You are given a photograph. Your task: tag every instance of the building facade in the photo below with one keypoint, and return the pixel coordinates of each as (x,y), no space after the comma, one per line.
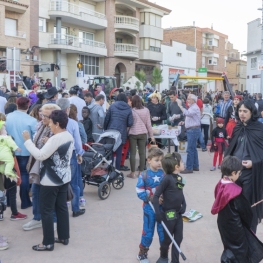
(109,38)
(253,56)
(19,30)
(211,49)
(177,58)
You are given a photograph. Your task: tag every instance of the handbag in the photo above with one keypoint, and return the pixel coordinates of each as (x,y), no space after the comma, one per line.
(70,194)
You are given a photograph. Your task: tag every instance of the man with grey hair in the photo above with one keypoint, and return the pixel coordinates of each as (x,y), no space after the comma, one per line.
(224,105)
(259,105)
(76,159)
(193,129)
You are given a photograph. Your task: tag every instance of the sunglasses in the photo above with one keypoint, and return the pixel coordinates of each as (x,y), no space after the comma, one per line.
(44,116)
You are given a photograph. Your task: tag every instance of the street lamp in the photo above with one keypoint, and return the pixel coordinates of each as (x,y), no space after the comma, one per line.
(261,57)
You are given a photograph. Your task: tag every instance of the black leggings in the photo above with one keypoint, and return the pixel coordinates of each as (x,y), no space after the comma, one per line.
(175,227)
(205,127)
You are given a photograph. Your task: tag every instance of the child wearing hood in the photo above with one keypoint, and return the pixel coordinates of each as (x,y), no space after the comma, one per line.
(235,217)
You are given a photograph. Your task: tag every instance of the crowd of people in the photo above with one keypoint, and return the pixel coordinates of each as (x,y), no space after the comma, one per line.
(47,131)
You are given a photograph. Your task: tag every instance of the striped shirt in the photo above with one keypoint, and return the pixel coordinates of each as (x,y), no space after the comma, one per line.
(193,116)
(223,107)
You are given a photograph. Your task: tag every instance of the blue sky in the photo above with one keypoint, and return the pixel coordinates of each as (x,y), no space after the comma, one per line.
(229,17)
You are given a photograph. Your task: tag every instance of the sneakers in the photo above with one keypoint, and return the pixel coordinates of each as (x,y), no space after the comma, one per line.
(213,168)
(219,166)
(204,150)
(32,225)
(82,202)
(143,258)
(3,239)
(3,245)
(18,216)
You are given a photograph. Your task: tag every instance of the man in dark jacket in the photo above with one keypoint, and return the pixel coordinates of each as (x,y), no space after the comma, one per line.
(119,117)
(259,105)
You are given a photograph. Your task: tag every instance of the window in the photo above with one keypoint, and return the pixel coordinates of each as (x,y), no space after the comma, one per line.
(91,65)
(10,27)
(42,25)
(216,42)
(151,19)
(150,44)
(86,38)
(64,31)
(118,40)
(254,63)
(179,54)
(210,42)
(212,61)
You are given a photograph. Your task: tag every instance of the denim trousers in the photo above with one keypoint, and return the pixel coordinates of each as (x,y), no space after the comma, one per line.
(205,127)
(54,198)
(36,203)
(24,187)
(192,155)
(75,182)
(118,157)
(201,140)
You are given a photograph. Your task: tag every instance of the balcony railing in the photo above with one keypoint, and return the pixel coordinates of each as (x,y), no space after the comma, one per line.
(64,6)
(128,20)
(15,33)
(68,40)
(126,48)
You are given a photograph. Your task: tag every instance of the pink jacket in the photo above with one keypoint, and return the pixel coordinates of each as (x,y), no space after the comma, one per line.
(141,122)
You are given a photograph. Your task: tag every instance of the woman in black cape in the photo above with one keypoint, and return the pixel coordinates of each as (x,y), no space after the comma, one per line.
(247,145)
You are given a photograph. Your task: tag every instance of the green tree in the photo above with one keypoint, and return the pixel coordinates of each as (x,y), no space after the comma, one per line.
(157,77)
(140,75)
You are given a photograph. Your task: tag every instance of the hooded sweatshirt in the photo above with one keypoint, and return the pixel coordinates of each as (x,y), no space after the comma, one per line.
(97,117)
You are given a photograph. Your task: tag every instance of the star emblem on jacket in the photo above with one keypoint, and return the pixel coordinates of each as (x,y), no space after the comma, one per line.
(156,178)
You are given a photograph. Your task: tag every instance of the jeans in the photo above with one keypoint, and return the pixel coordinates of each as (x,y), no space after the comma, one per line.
(118,157)
(201,140)
(192,155)
(24,187)
(75,182)
(36,201)
(54,198)
(205,127)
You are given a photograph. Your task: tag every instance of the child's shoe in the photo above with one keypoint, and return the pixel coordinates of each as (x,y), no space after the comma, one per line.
(142,256)
(213,168)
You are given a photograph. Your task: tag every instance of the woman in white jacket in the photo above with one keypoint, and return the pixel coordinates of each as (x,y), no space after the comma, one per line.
(206,119)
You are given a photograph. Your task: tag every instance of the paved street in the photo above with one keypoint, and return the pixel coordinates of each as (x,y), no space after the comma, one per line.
(110,230)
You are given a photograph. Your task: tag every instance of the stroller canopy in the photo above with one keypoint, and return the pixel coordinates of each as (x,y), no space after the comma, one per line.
(112,134)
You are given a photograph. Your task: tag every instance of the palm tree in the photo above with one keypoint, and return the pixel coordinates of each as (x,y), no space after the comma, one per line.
(157,77)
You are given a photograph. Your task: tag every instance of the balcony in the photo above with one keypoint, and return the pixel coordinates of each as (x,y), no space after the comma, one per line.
(72,44)
(215,69)
(150,55)
(126,50)
(77,15)
(206,49)
(127,23)
(151,32)
(12,33)
(15,6)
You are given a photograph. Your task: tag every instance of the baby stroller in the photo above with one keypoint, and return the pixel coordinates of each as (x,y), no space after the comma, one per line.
(100,153)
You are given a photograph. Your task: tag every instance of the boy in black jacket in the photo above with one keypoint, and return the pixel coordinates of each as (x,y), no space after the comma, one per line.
(87,123)
(173,205)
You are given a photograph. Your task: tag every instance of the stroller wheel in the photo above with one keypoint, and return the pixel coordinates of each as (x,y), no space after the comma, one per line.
(104,190)
(118,183)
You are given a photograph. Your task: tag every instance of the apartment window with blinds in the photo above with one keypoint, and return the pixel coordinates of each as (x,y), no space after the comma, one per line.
(91,65)
(254,62)
(150,44)
(10,27)
(151,19)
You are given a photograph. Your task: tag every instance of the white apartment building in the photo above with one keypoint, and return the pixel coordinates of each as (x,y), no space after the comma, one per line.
(69,32)
(253,56)
(112,38)
(177,58)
